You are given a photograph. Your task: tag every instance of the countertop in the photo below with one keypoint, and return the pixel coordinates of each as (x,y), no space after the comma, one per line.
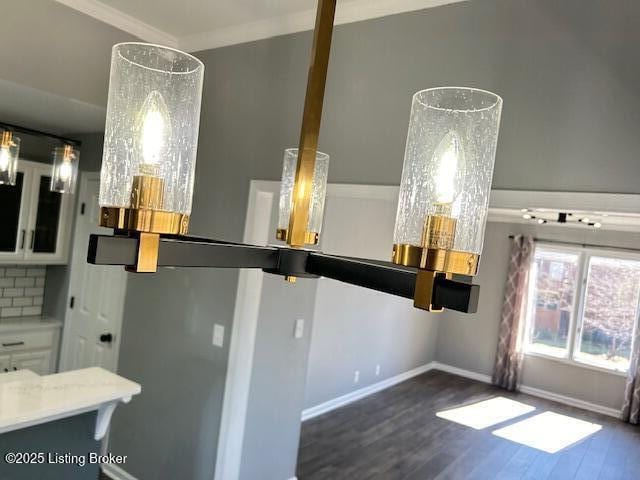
(27,399)
(28,323)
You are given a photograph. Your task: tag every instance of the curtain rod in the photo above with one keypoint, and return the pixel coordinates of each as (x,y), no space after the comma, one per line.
(581,244)
(39,133)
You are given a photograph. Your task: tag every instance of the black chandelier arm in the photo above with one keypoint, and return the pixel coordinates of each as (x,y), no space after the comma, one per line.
(181,252)
(377,275)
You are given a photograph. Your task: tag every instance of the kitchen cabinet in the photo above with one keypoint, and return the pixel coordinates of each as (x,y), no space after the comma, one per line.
(38,361)
(34,222)
(29,343)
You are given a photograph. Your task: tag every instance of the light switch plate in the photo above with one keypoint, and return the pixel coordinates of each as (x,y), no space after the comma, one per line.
(298,331)
(218,335)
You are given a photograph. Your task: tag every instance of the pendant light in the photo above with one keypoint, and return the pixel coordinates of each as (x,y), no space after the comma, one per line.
(151,137)
(64,173)
(318,193)
(149,159)
(9,152)
(446,181)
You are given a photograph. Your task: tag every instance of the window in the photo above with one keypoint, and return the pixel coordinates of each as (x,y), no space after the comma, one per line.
(583,305)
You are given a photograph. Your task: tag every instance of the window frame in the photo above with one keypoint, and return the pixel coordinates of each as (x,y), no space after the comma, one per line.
(576,321)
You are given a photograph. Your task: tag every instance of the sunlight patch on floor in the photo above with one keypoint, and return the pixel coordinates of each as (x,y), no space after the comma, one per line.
(486,413)
(548,431)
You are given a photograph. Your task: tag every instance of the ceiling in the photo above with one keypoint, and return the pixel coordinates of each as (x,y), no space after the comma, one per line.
(55,74)
(194,25)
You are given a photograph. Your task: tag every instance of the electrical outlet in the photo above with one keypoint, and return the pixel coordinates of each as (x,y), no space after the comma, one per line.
(356,376)
(377,370)
(218,335)
(298,331)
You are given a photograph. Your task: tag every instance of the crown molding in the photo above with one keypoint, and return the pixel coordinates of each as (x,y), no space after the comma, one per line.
(346,12)
(121,21)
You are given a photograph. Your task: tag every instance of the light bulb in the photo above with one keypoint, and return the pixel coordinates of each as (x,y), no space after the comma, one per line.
(153,127)
(5,158)
(449,160)
(64,173)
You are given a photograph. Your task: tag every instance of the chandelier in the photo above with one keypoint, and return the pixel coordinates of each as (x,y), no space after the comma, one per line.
(148,168)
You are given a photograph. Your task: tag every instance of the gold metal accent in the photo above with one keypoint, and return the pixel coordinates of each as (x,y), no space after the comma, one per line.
(407,255)
(144,220)
(147,261)
(7,139)
(439,232)
(437,260)
(290,278)
(311,238)
(147,192)
(299,220)
(423,296)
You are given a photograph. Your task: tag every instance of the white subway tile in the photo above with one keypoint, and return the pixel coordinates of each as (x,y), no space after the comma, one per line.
(37,300)
(36,272)
(31,311)
(34,292)
(15,292)
(15,272)
(25,282)
(6,282)
(22,301)
(5,302)
(11,312)
(40,282)
(1,272)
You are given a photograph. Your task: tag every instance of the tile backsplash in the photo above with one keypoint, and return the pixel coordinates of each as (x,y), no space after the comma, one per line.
(21,290)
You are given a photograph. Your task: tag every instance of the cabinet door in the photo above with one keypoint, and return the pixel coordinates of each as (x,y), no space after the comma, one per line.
(13,217)
(38,362)
(5,363)
(47,229)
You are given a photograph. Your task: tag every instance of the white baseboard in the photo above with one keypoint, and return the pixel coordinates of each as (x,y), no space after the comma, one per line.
(535,392)
(338,402)
(115,472)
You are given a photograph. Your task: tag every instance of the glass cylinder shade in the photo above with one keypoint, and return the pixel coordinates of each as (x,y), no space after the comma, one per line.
(448,167)
(151,132)
(9,152)
(318,193)
(64,173)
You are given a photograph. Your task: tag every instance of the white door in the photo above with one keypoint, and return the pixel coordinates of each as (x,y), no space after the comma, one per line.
(91,335)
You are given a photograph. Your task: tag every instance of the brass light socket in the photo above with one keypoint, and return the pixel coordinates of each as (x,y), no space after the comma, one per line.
(147,192)
(310,238)
(439,232)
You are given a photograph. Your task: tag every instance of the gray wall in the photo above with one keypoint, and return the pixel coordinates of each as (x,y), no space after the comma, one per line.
(571,106)
(469,341)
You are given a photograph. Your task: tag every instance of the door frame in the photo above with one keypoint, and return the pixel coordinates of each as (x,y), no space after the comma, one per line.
(85,178)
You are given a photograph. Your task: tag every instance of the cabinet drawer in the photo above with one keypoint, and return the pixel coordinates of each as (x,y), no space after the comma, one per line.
(22,340)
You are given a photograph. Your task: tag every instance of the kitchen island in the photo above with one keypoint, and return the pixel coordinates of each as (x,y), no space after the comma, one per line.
(51,425)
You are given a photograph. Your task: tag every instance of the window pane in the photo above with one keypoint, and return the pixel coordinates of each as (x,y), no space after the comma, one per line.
(610,311)
(551,304)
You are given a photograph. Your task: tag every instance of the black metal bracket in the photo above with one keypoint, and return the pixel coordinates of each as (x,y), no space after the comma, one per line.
(381,276)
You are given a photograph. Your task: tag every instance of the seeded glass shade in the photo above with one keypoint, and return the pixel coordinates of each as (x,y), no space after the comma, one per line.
(153,114)
(9,152)
(448,165)
(318,190)
(64,173)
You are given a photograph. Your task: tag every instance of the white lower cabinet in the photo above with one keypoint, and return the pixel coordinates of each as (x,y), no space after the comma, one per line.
(38,362)
(30,349)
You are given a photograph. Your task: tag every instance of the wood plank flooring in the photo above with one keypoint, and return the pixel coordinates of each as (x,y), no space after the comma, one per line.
(395,434)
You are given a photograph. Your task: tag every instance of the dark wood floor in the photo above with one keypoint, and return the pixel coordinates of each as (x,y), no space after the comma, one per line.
(395,434)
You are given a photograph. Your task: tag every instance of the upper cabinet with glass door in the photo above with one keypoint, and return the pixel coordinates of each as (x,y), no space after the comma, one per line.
(34,222)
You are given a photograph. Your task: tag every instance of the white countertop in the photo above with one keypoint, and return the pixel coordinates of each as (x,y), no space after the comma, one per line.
(28,323)
(17,375)
(28,399)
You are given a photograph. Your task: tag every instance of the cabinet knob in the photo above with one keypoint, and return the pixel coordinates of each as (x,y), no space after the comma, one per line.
(15,369)
(6,369)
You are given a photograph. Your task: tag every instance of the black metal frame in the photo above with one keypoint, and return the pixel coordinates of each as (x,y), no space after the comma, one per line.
(39,133)
(384,277)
